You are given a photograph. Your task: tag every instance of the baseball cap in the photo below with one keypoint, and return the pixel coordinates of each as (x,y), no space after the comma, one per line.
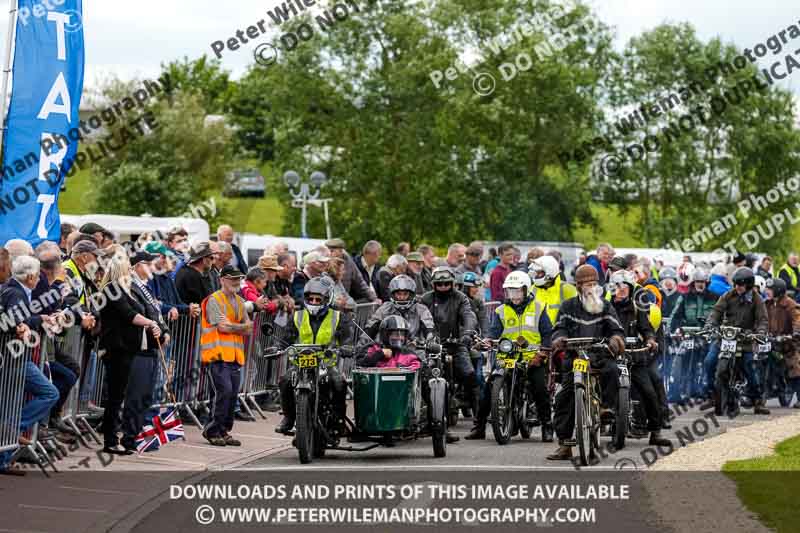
(86,247)
(157,248)
(142,257)
(335,244)
(231,272)
(311,257)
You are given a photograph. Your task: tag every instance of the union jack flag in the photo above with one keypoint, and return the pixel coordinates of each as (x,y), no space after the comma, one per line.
(166,427)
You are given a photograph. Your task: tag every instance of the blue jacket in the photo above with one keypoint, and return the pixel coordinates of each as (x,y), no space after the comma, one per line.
(15,305)
(162,286)
(719,285)
(594,261)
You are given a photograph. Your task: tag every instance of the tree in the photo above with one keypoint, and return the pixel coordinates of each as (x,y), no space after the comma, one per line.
(735,145)
(409,161)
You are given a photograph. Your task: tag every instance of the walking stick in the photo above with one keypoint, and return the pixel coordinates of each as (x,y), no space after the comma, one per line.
(167,373)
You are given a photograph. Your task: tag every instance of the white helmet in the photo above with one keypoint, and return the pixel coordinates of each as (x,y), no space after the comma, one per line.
(514,284)
(761,283)
(546,264)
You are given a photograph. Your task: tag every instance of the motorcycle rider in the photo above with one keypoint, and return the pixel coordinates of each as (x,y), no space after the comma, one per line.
(635,320)
(551,290)
(470,284)
(784,319)
(740,307)
(454,318)
(697,307)
(402,303)
(521,316)
(316,323)
(586,315)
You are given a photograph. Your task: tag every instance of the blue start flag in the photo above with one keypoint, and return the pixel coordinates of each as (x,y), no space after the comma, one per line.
(43,127)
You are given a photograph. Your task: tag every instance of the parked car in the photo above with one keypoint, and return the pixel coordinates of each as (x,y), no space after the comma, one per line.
(248,182)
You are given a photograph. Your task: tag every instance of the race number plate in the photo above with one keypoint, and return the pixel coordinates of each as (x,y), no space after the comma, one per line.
(308,361)
(688,344)
(728,346)
(580,365)
(509,363)
(765,348)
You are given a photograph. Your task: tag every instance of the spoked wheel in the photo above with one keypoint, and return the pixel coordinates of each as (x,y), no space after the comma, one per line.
(502,413)
(583,426)
(304,439)
(621,421)
(439,437)
(525,427)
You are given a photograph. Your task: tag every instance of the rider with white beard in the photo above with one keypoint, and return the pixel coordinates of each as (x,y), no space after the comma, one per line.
(586,315)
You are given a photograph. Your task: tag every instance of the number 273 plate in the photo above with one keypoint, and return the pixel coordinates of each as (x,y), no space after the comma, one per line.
(307,362)
(580,365)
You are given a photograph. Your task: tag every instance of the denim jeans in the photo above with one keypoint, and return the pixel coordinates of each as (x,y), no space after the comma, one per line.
(63,379)
(44,397)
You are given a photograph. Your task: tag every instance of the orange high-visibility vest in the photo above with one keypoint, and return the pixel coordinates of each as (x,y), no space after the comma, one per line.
(216,345)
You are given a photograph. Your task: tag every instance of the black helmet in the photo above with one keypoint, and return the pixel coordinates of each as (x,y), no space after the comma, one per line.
(320,287)
(443,274)
(778,287)
(744,276)
(402,283)
(392,324)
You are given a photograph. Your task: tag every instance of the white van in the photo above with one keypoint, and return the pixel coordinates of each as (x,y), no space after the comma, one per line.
(129,228)
(253,246)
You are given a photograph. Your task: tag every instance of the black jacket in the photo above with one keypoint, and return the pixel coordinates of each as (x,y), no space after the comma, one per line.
(193,287)
(451,312)
(241,263)
(371,281)
(575,321)
(420,322)
(119,337)
(385,277)
(635,322)
(353,282)
(747,312)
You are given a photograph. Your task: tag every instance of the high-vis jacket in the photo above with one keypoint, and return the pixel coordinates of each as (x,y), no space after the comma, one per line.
(525,325)
(325,334)
(216,345)
(552,297)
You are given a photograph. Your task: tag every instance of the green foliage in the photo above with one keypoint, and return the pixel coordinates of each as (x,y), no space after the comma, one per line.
(182,152)
(204,78)
(699,176)
(135,189)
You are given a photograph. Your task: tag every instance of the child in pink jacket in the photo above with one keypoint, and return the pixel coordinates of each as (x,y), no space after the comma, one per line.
(393,351)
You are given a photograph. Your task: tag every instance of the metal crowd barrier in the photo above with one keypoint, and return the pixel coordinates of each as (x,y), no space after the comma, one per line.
(491,307)
(84,399)
(12,387)
(261,373)
(189,383)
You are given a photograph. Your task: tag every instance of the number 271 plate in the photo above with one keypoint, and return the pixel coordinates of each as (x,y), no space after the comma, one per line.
(307,362)
(580,365)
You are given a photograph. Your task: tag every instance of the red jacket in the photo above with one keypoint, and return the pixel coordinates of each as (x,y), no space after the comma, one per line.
(251,293)
(496,282)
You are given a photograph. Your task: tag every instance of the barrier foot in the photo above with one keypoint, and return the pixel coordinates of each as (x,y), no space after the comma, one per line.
(193,416)
(78,433)
(255,405)
(243,403)
(45,457)
(90,429)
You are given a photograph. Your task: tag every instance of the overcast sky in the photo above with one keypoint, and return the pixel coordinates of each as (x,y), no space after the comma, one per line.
(132,39)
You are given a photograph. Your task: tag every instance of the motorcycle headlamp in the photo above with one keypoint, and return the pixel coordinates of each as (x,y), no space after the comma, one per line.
(291,352)
(729,333)
(505,346)
(435,372)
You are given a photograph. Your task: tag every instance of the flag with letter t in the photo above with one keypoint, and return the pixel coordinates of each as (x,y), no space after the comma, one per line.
(43,127)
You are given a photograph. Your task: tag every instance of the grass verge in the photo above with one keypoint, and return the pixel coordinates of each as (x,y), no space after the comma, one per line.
(769,486)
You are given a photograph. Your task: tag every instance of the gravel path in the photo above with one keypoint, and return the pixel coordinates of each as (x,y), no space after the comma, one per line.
(705,500)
